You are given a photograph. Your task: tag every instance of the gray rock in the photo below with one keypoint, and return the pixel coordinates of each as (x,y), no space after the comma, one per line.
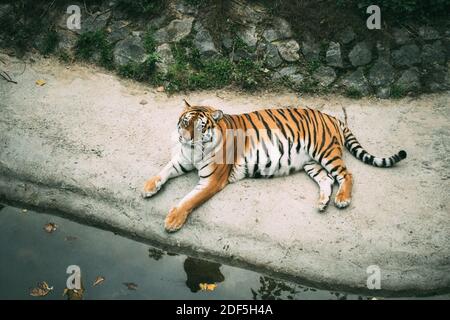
(324,76)
(433,53)
(334,56)
(165,58)
(227,41)
(67,40)
(310,49)
(428,33)
(5,9)
(242,53)
(117,31)
(437,78)
(288,50)
(246,12)
(356,82)
(291,74)
(409,80)
(175,31)
(347,35)
(296,80)
(185,8)
(204,42)
(157,22)
(383,92)
(93,23)
(360,55)
(383,50)
(401,36)
(381,74)
(248,35)
(272,58)
(129,50)
(285,72)
(406,55)
(280,29)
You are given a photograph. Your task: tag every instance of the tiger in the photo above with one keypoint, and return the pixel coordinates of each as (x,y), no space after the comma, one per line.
(277,142)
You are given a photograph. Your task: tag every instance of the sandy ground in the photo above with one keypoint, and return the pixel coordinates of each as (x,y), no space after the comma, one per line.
(84,145)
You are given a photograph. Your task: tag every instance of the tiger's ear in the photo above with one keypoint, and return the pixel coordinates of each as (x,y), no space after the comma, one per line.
(217,115)
(186,104)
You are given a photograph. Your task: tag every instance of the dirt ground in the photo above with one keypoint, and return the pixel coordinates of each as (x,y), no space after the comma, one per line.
(85,142)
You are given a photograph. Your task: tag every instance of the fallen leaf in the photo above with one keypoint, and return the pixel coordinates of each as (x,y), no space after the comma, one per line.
(131,285)
(208,286)
(41,290)
(160,89)
(40,82)
(98,280)
(50,227)
(143,102)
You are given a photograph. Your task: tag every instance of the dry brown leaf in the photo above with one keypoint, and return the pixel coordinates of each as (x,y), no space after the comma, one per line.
(208,286)
(40,82)
(160,89)
(41,290)
(98,280)
(131,285)
(50,227)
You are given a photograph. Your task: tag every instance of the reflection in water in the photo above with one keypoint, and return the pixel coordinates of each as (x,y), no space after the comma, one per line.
(155,253)
(272,289)
(201,271)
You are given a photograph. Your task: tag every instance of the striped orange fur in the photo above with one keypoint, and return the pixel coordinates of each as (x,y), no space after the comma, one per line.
(225,148)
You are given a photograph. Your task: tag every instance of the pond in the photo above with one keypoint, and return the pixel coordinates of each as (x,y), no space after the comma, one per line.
(130,269)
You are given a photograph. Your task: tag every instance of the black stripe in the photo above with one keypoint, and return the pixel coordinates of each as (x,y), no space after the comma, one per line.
(331,160)
(209,173)
(182,168)
(266,126)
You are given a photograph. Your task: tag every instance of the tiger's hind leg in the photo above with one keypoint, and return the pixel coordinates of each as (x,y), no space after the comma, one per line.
(333,163)
(324,180)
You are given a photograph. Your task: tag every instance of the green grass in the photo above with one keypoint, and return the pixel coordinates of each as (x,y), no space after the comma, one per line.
(90,43)
(353,93)
(50,42)
(140,71)
(398,92)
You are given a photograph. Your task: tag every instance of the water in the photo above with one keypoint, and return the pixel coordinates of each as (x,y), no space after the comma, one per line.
(30,255)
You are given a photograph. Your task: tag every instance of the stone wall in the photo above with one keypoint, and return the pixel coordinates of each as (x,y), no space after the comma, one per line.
(402,61)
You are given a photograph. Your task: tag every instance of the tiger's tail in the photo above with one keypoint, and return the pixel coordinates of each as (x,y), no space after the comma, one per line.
(355,148)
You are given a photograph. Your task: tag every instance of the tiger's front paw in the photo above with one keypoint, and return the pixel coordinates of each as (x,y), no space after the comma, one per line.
(151,187)
(175,220)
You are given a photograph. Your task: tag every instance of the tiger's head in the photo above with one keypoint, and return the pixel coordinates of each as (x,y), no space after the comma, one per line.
(197,125)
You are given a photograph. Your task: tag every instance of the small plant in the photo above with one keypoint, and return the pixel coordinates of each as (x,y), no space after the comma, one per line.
(149,41)
(90,43)
(248,74)
(140,71)
(63,56)
(50,42)
(398,92)
(353,93)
